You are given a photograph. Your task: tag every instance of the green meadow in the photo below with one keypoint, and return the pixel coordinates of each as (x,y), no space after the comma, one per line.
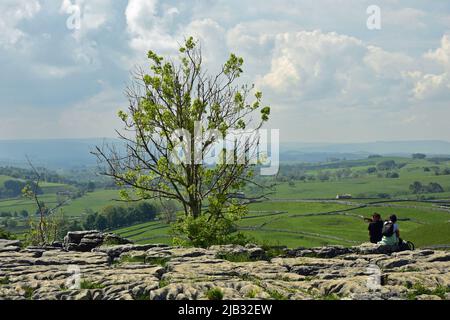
(305,213)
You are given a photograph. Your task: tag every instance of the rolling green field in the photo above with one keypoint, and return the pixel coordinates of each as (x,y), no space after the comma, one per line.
(306,213)
(74,208)
(307,224)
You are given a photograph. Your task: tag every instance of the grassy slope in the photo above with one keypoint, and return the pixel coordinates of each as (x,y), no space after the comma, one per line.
(295,226)
(428,235)
(369,185)
(95,201)
(291,223)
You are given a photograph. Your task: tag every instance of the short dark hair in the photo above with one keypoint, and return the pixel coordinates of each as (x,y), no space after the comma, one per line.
(377,215)
(393,218)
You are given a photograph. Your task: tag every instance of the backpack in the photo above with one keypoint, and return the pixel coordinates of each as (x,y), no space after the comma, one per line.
(405,245)
(388,229)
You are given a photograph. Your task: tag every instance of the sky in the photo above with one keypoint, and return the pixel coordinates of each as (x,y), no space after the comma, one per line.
(327,76)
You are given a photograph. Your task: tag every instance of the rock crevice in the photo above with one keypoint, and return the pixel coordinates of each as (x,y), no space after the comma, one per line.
(96,266)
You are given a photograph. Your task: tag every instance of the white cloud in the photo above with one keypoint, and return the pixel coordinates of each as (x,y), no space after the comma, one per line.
(434,86)
(442,54)
(317,64)
(431,86)
(212,36)
(13,12)
(149,26)
(388,64)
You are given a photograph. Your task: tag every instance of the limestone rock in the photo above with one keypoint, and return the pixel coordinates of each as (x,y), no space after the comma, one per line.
(85,241)
(9,245)
(159,272)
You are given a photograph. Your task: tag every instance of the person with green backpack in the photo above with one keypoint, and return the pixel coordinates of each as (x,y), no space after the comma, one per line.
(390,232)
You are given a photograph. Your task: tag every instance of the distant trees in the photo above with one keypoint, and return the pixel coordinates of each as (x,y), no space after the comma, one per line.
(90,187)
(442,172)
(371,170)
(27,174)
(13,188)
(386,165)
(323,176)
(392,175)
(11,223)
(433,187)
(112,217)
(419,156)
(169,210)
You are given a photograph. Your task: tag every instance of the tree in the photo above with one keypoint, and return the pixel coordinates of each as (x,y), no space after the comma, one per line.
(392,175)
(416,187)
(11,223)
(169,210)
(101,223)
(419,156)
(24,213)
(434,187)
(90,221)
(371,170)
(90,187)
(386,165)
(45,231)
(181,108)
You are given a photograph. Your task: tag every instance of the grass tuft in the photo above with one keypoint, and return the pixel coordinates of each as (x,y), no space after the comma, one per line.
(157,261)
(214,294)
(419,289)
(28,292)
(164,283)
(88,284)
(276,295)
(235,257)
(4,281)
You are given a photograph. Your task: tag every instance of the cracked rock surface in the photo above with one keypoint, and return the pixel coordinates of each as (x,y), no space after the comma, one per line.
(159,272)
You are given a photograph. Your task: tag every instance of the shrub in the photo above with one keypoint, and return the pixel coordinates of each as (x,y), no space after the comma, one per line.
(4,281)
(203,232)
(6,235)
(214,294)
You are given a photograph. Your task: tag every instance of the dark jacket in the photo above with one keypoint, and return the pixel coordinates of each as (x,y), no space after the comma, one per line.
(375,231)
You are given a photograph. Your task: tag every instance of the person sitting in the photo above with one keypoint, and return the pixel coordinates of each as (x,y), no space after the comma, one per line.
(375,228)
(391,232)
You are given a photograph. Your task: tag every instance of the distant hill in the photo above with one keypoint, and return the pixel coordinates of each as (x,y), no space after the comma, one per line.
(432,147)
(71,153)
(53,154)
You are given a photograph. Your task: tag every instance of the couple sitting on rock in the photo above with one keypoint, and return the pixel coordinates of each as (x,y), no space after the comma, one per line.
(384,233)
